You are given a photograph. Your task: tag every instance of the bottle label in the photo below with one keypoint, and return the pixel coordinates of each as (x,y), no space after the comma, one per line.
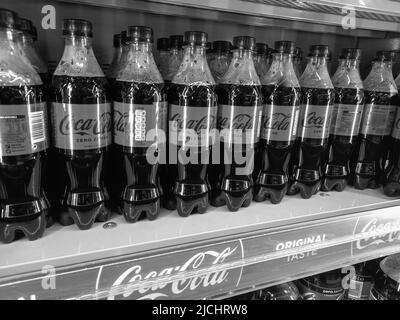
(81,126)
(346,119)
(140,125)
(310,291)
(239,124)
(315,121)
(192,126)
(377,119)
(279,123)
(396,125)
(360,288)
(23,129)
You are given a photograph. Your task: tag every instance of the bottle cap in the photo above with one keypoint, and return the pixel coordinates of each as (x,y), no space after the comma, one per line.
(117,40)
(320,51)
(196,38)
(140,34)
(261,48)
(78,27)
(176,41)
(26,26)
(285,47)
(244,42)
(162,44)
(221,46)
(385,55)
(350,53)
(9,19)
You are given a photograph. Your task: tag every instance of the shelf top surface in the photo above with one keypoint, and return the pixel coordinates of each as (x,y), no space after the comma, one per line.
(67,245)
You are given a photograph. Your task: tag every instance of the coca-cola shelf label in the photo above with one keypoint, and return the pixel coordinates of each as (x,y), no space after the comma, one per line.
(23,129)
(279,123)
(373,233)
(346,119)
(315,121)
(139,125)
(168,278)
(192,125)
(81,126)
(377,119)
(239,124)
(194,273)
(396,126)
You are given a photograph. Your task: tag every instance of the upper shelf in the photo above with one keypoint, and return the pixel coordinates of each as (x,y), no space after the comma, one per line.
(203,256)
(373,18)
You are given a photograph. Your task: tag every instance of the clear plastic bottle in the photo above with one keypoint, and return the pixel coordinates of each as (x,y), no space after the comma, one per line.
(162,56)
(260,59)
(281,91)
(297,61)
(317,97)
(346,119)
(376,124)
(23,138)
(139,103)
(82,123)
(391,178)
(239,117)
(192,112)
(113,69)
(27,43)
(174,57)
(219,60)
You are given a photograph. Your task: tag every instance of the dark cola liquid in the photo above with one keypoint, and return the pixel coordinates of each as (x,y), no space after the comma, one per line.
(391,175)
(244,119)
(341,148)
(81,171)
(182,176)
(308,158)
(275,155)
(371,151)
(135,172)
(21,176)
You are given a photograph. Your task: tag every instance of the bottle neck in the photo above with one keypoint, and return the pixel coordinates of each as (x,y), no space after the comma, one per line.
(78,59)
(194,67)
(16,69)
(347,74)
(241,70)
(316,74)
(281,71)
(381,78)
(139,64)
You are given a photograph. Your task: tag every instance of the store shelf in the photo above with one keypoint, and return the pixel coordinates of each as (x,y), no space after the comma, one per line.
(203,256)
(374,18)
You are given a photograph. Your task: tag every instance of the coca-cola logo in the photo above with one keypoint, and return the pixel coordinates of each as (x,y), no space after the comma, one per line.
(239,122)
(205,122)
(145,284)
(278,121)
(70,124)
(375,233)
(313,120)
(121,121)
